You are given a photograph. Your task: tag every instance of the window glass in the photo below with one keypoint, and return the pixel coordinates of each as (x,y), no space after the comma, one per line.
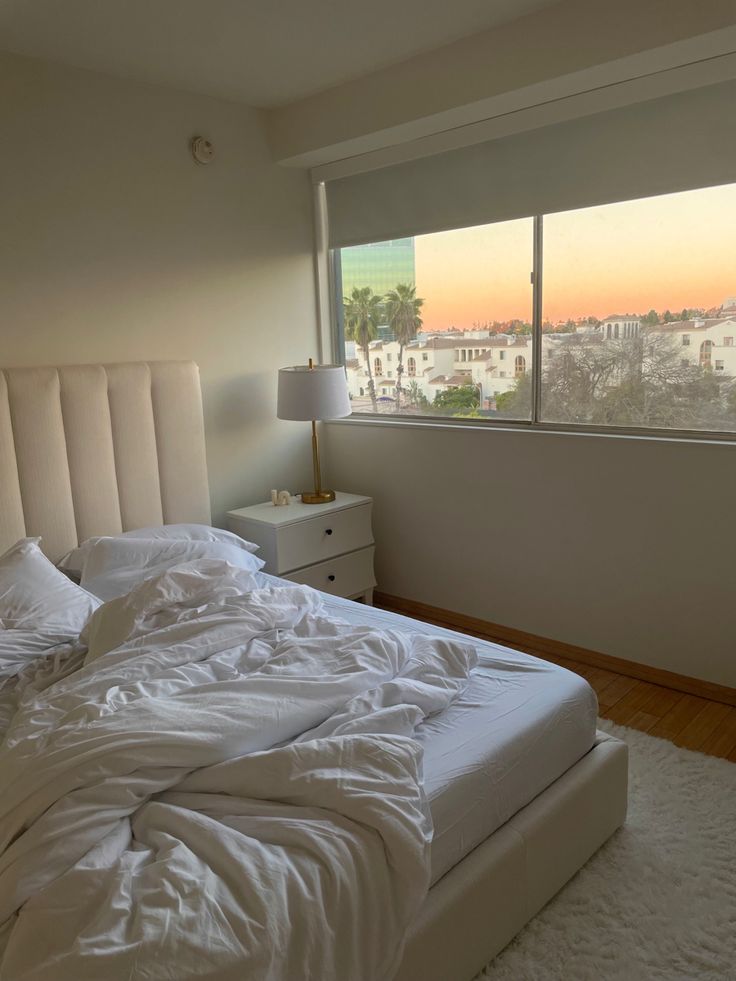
(425,304)
(666,268)
(637,324)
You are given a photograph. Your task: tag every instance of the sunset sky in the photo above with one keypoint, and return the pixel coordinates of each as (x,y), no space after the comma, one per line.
(674,251)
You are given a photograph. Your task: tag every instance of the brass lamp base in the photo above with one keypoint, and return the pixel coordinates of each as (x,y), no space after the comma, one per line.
(318,497)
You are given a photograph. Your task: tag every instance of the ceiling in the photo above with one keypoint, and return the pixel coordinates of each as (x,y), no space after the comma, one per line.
(262,52)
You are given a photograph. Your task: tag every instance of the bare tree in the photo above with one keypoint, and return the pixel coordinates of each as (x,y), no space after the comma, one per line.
(640,381)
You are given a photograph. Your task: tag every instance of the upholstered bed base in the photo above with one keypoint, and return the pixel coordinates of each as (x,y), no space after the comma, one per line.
(481,904)
(98,449)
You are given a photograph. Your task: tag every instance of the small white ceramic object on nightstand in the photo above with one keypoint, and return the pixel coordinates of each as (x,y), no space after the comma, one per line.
(327,546)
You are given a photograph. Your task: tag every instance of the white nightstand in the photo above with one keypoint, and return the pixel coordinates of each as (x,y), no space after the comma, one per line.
(327,546)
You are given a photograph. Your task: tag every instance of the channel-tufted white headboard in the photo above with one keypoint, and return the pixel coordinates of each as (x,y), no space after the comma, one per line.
(99,449)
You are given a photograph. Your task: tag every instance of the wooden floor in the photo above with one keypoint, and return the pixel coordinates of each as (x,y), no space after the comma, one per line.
(686,720)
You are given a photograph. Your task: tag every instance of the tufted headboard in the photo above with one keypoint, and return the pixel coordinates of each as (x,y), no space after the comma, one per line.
(99,449)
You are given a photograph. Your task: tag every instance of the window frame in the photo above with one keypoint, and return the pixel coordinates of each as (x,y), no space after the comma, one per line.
(331,342)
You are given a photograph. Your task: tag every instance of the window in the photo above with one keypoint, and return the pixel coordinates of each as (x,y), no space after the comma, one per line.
(452,290)
(638,257)
(628,345)
(706,353)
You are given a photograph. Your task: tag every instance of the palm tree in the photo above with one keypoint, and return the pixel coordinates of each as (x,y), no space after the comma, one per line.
(362,311)
(403,308)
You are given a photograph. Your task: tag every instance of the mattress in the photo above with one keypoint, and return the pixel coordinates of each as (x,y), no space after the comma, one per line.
(520,725)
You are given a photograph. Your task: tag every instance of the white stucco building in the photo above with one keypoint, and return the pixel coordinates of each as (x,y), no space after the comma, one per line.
(492,363)
(425,359)
(613,328)
(708,342)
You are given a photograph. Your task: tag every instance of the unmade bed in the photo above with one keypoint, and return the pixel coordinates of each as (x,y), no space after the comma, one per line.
(519,725)
(521,787)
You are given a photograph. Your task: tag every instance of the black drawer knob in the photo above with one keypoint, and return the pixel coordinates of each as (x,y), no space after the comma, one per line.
(328,531)
(331,578)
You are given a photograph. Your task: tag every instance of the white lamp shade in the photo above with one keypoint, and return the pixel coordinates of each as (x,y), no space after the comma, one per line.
(308,393)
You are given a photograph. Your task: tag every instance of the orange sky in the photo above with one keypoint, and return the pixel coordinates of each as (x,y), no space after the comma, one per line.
(674,251)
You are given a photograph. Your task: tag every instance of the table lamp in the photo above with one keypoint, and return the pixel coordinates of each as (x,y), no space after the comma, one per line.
(310,393)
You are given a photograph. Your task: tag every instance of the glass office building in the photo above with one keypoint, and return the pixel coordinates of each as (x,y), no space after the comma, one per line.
(380,265)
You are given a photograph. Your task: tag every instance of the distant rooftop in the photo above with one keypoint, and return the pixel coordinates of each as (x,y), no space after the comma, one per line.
(434,343)
(451,380)
(699,324)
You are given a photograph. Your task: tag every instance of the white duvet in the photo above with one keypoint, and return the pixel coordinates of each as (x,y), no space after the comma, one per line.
(227,789)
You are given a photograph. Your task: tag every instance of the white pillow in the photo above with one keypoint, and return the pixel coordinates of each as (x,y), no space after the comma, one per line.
(73,563)
(34,595)
(114,566)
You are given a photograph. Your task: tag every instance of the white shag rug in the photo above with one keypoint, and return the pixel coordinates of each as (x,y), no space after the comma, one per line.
(658,901)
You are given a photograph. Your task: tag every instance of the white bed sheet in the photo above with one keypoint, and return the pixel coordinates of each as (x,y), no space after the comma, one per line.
(519,726)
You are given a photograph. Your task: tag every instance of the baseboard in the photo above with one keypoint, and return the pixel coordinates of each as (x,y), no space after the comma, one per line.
(541,646)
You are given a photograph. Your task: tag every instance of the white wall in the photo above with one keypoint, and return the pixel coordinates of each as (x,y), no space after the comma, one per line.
(619,545)
(115,245)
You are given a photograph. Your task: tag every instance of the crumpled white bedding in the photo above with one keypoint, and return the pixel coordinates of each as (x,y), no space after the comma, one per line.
(229,789)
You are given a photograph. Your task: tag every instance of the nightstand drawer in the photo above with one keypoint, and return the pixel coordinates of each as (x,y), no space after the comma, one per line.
(322,536)
(346,575)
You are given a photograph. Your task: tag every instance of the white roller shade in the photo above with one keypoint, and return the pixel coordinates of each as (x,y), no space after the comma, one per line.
(664,145)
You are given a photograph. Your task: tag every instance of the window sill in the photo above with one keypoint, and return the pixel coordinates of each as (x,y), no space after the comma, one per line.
(546,428)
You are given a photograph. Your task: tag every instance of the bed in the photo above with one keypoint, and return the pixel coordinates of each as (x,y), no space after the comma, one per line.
(522,789)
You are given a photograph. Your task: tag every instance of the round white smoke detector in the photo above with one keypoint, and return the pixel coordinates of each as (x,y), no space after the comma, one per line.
(202,150)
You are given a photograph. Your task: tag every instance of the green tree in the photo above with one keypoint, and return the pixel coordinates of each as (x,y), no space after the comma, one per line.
(415,396)
(403,315)
(455,400)
(362,312)
(730,403)
(516,403)
(651,319)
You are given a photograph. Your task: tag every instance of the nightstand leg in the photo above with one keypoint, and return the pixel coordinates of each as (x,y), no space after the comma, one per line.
(368,597)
